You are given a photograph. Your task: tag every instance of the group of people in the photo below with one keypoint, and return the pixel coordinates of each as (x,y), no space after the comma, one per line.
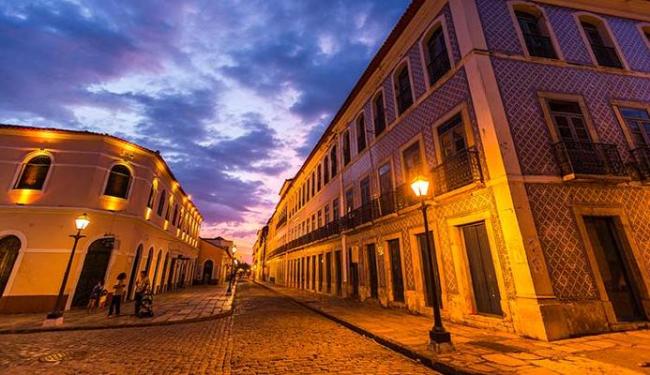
(143,296)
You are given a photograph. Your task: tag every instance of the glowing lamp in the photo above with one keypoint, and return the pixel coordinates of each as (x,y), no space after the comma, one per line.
(82,222)
(420,186)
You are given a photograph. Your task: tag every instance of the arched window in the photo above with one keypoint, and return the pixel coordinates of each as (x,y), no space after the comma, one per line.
(161,203)
(150,199)
(379,114)
(436,55)
(33,173)
(535,32)
(119,180)
(600,42)
(403,93)
(361,133)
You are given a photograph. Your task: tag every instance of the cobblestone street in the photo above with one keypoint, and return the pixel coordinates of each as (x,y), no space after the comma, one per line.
(267,334)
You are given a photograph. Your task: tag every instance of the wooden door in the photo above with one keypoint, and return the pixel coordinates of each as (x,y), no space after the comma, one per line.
(93,270)
(487,298)
(616,271)
(396,270)
(339,276)
(372,270)
(9,248)
(430,272)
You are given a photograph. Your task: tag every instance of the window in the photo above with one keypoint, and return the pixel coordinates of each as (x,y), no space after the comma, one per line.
(335,209)
(33,173)
(320,219)
(385,179)
(364,189)
(327,213)
(118,182)
(412,161)
(167,214)
(313,183)
(349,200)
(150,199)
(535,33)
(346,147)
(570,122)
(175,217)
(601,44)
(361,133)
(638,121)
(379,113)
(334,161)
(436,55)
(326,170)
(403,89)
(452,137)
(161,203)
(319,177)
(313,222)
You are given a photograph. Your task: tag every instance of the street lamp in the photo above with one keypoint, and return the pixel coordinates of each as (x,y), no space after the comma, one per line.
(437,334)
(80,223)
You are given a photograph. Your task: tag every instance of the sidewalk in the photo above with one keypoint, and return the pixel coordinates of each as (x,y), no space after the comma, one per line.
(483,351)
(186,305)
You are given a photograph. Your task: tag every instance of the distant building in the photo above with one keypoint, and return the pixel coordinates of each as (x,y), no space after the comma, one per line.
(215,260)
(140,217)
(260,269)
(531,121)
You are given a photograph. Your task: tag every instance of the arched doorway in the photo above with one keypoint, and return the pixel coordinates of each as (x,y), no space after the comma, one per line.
(207,271)
(134,271)
(9,247)
(94,269)
(155,272)
(149,260)
(164,273)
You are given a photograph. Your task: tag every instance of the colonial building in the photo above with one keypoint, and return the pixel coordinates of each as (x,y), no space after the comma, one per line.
(140,217)
(215,260)
(531,121)
(260,269)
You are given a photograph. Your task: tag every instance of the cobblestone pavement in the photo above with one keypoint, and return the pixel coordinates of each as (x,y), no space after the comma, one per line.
(267,334)
(193,303)
(483,350)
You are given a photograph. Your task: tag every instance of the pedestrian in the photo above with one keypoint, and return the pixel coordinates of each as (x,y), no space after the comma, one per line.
(95,294)
(118,290)
(141,288)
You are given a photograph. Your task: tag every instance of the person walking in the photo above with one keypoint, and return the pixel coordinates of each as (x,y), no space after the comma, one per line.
(141,288)
(118,290)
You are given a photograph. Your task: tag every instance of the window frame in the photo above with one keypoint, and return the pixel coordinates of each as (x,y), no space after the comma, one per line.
(346,136)
(18,174)
(517,5)
(600,23)
(545,97)
(644,29)
(374,113)
(417,139)
(463,110)
(627,133)
(131,181)
(439,22)
(361,116)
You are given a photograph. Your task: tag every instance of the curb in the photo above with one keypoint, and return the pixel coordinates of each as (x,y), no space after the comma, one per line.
(223,314)
(388,343)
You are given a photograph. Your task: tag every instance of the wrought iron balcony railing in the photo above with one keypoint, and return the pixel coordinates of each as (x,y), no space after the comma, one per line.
(589,159)
(457,171)
(540,46)
(606,56)
(641,156)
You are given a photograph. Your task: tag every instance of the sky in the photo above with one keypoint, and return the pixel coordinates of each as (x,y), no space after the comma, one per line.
(233,93)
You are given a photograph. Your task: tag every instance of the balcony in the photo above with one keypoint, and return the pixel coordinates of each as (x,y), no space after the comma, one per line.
(641,158)
(457,171)
(606,56)
(579,158)
(540,46)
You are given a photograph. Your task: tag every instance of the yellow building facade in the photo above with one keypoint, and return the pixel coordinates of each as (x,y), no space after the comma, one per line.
(531,120)
(215,261)
(140,217)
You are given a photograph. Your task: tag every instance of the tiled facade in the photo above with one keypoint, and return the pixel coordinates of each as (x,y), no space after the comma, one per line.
(529,194)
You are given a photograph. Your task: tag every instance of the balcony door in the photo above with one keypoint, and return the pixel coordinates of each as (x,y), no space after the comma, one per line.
(616,270)
(455,158)
(372,270)
(386,199)
(396,270)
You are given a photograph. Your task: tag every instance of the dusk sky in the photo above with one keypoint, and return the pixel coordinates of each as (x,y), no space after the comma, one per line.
(233,93)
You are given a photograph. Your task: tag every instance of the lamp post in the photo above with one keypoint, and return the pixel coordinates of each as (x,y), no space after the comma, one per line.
(437,335)
(232,271)
(81,223)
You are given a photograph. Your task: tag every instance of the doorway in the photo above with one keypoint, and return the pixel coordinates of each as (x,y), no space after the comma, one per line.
(487,298)
(9,247)
(429,269)
(337,270)
(396,270)
(328,272)
(207,271)
(354,274)
(372,270)
(134,272)
(616,269)
(93,270)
